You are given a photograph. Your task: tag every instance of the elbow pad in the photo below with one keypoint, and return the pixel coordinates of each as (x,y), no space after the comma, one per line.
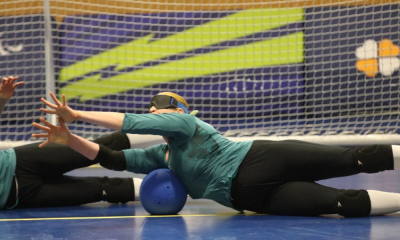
(113,160)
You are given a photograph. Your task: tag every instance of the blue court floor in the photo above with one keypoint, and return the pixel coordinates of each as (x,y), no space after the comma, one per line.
(199,220)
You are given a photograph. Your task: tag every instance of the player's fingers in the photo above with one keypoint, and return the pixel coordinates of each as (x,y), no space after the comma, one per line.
(43,144)
(48,103)
(40,135)
(64,101)
(48,111)
(61,122)
(11,80)
(41,127)
(18,84)
(47,123)
(5,80)
(55,99)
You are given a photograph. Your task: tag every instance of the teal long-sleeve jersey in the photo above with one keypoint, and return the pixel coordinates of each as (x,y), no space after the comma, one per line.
(8,163)
(203,160)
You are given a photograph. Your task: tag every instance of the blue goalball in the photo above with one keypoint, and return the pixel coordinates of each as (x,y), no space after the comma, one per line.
(161,193)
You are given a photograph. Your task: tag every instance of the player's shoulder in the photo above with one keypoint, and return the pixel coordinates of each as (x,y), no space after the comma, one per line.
(186,117)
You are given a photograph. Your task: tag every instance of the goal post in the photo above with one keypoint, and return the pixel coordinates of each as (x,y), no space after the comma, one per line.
(319,71)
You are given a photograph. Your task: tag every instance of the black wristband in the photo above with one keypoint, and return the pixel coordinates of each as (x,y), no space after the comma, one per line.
(113,160)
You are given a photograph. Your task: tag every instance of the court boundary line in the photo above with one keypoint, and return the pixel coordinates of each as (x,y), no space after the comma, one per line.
(124,217)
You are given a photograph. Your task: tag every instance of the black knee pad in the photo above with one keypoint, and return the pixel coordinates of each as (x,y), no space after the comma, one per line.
(353,203)
(374,158)
(118,190)
(115,141)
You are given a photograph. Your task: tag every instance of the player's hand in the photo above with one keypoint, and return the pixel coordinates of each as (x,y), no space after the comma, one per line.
(54,134)
(61,109)
(7,87)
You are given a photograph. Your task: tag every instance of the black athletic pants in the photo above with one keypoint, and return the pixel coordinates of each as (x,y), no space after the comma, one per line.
(40,178)
(278,177)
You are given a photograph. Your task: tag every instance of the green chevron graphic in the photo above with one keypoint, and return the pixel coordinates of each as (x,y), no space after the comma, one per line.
(283,50)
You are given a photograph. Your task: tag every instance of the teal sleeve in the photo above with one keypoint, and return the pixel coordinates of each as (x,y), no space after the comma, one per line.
(172,125)
(8,163)
(145,160)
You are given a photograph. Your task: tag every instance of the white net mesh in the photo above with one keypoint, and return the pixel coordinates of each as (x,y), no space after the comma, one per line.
(251,68)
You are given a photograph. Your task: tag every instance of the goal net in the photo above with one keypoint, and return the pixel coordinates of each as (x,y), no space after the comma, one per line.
(321,71)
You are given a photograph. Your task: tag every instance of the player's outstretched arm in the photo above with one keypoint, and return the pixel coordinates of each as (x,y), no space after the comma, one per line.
(62,135)
(111,120)
(7,88)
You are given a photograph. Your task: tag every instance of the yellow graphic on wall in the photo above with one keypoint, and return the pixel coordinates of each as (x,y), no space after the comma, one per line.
(286,49)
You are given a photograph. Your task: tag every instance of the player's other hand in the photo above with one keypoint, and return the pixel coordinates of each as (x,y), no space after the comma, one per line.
(54,134)
(8,86)
(61,109)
